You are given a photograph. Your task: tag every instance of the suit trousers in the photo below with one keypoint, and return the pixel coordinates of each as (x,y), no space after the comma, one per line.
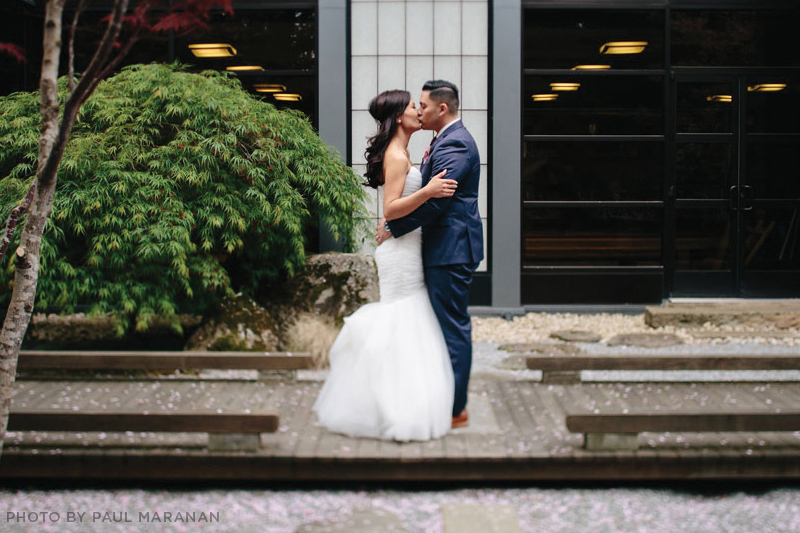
(448,289)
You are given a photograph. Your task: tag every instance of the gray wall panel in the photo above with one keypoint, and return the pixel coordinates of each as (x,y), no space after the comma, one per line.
(506,154)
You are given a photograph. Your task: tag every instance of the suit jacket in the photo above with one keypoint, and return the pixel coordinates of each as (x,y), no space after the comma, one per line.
(452,232)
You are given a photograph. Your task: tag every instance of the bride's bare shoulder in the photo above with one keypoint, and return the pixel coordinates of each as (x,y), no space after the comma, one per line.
(395,162)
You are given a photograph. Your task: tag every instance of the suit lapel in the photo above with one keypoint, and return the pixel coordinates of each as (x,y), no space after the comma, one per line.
(427,168)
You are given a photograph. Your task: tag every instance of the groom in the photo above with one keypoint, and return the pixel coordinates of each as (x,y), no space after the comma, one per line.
(452,232)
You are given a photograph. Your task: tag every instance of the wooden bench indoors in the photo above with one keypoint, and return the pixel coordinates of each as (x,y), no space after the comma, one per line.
(567,368)
(619,431)
(227,432)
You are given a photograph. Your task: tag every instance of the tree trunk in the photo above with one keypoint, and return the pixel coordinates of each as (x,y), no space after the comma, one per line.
(27,255)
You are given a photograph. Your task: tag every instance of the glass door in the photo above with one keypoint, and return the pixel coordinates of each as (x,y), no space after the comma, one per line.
(769,199)
(705,156)
(736,190)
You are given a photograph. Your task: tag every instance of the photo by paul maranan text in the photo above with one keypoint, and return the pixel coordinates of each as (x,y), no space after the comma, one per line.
(52,517)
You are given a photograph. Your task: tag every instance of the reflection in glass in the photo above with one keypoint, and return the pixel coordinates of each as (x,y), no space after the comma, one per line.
(770,239)
(704,170)
(699,112)
(735,38)
(603,236)
(564,38)
(773,111)
(772,169)
(703,240)
(592,171)
(622,105)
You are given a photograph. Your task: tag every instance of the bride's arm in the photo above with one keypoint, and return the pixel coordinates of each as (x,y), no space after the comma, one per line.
(394,205)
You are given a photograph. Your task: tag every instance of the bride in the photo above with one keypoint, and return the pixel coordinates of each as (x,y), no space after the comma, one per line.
(391,376)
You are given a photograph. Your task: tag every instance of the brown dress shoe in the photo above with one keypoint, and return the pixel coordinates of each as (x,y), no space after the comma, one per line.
(461,420)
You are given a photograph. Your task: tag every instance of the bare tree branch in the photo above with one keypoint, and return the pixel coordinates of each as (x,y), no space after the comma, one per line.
(71,72)
(81,92)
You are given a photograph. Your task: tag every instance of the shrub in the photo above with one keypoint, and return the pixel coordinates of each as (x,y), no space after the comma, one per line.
(175,189)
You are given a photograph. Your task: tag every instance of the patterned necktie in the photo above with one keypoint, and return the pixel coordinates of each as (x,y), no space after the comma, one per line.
(427,152)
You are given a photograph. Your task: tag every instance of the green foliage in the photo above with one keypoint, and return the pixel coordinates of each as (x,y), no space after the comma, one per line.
(174,190)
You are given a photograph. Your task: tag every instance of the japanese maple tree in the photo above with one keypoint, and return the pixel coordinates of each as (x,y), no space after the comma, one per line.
(127,23)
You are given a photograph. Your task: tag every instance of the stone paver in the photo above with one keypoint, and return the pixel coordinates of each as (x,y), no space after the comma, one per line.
(479,518)
(361,520)
(540,347)
(646,340)
(576,335)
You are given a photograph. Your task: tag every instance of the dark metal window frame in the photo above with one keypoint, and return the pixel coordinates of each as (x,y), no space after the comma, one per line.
(263,5)
(663,73)
(668,138)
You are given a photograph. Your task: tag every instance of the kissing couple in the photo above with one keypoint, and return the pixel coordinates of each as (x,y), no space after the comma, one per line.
(400,366)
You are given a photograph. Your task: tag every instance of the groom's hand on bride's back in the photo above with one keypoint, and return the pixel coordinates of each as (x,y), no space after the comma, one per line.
(381,233)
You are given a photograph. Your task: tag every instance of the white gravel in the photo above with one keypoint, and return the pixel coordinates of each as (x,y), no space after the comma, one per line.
(536,327)
(538,510)
(489,333)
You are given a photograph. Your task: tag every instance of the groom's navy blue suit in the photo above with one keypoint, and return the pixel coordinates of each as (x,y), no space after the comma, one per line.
(452,245)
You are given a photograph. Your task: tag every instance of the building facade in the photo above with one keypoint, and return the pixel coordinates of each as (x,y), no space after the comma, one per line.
(632,150)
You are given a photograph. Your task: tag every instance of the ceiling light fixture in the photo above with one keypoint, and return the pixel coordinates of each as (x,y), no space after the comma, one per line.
(212,50)
(720,98)
(561,86)
(591,67)
(544,97)
(269,87)
(767,87)
(287,97)
(245,68)
(623,47)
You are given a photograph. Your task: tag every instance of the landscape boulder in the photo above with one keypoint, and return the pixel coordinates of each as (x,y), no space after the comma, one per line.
(236,324)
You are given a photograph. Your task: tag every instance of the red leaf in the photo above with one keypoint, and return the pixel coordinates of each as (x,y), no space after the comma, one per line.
(180,22)
(188,15)
(17,52)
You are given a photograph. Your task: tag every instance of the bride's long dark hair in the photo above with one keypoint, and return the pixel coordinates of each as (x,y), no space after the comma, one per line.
(385,109)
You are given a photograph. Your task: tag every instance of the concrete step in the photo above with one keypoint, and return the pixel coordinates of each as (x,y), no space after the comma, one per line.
(779,314)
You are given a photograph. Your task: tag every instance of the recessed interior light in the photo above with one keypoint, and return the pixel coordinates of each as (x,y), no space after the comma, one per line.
(767,87)
(591,67)
(269,87)
(561,86)
(720,98)
(244,68)
(287,97)
(212,50)
(623,47)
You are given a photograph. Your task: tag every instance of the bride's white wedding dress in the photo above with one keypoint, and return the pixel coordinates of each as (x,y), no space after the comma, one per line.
(391,376)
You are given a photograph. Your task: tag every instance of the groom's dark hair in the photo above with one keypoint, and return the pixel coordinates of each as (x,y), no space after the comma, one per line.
(443,92)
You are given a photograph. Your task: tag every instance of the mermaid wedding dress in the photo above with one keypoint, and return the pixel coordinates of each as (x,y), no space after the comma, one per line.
(391,376)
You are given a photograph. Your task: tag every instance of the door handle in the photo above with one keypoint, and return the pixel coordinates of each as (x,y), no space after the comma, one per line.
(734,198)
(747,197)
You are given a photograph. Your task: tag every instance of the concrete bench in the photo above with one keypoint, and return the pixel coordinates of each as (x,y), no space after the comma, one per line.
(226,432)
(141,360)
(619,431)
(566,368)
